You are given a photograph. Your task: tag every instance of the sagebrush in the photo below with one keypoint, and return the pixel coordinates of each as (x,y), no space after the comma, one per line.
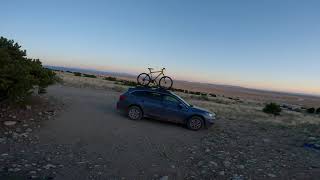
(109,78)
(311,110)
(90,75)
(77,73)
(272,108)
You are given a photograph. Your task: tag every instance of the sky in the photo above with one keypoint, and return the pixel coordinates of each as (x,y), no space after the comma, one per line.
(264,44)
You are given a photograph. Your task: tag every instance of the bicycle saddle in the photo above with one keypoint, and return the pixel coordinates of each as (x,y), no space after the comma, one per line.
(150,69)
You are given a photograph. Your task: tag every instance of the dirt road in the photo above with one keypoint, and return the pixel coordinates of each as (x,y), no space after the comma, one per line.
(89,139)
(106,143)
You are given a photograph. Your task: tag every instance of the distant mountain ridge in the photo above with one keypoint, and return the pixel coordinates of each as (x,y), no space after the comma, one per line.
(233,88)
(82,70)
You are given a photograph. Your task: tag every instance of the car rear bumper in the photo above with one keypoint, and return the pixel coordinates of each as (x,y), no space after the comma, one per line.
(121,107)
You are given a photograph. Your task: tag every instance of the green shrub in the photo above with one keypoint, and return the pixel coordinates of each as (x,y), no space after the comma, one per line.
(77,73)
(311,110)
(318,111)
(192,92)
(19,75)
(212,95)
(180,90)
(109,78)
(272,108)
(204,97)
(89,75)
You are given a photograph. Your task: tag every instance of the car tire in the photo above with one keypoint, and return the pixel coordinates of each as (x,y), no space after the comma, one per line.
(135,113)
(195,123)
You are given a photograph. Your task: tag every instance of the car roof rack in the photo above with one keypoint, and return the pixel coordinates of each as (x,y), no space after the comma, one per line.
(151,88)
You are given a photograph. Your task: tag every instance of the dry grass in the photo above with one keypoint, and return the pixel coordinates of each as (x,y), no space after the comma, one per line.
(225,108)
(85,82)
(252,111)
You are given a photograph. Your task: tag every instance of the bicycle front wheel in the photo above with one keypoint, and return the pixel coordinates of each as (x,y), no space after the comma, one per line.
(143,79)
(165,82)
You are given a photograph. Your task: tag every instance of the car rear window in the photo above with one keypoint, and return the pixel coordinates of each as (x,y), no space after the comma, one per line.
(154,96)
(147,94)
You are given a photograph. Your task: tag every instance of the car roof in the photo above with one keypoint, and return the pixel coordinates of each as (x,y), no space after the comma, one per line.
(159,90)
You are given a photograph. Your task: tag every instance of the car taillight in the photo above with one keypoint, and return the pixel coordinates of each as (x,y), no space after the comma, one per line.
(122,97)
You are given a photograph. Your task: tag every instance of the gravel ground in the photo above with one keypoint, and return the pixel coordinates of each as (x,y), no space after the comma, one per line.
(76,133)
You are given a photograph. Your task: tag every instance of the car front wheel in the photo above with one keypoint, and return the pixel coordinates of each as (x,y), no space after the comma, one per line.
(134,113)
(195,123)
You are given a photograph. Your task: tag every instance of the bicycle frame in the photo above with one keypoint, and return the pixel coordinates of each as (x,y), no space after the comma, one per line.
(161,73)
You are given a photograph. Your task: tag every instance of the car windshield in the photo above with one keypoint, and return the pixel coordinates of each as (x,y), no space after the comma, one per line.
(185,102)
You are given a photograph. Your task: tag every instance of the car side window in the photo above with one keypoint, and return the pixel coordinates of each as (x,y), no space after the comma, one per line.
(170,99)
(154,96)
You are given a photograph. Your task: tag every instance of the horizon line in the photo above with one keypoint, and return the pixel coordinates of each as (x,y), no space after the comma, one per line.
(210,83)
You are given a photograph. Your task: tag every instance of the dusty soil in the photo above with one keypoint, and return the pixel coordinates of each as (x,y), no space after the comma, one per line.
(89,139)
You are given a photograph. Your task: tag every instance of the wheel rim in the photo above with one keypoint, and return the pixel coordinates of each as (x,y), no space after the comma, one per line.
(195,123)
(134,113)
(144,79)
(165,82)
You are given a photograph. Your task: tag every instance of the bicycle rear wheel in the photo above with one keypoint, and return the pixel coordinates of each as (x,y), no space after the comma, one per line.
(165,82)
(143,79)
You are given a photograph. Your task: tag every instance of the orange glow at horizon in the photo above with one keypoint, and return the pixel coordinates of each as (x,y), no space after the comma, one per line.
(203,78)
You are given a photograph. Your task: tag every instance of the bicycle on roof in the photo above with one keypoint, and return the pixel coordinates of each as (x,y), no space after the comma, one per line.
(164,82)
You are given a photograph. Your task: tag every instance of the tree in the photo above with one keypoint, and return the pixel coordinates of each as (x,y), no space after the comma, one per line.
(318,111)
(19,75)
(272,108)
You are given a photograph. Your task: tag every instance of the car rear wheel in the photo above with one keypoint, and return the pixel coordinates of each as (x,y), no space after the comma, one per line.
(134,113)
(195,123)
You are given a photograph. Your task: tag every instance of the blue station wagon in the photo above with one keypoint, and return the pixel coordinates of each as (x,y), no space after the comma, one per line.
(164,105)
